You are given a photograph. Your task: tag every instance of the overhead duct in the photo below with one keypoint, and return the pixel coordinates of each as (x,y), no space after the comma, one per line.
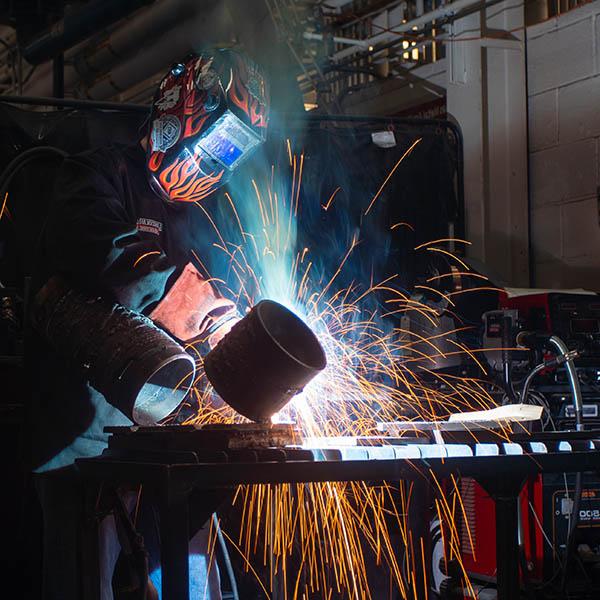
(78,25)
(125,41)
(143,46)
(133,42)
(204,29)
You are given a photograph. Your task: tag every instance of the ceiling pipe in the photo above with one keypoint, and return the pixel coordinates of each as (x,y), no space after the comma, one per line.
(135,33)
(337,3)
(309,35)
(94,60)
(447,10)
(78,25)
(205,28)
(152,39)
(43,72)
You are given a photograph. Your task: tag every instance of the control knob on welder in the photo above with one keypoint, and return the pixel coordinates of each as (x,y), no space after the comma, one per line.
(532,339)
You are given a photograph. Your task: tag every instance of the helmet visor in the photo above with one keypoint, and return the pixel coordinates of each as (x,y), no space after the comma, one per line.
(229,141)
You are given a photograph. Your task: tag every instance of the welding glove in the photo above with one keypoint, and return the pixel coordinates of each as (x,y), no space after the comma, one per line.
(192,309)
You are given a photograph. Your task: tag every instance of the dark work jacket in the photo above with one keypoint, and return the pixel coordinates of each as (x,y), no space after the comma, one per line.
(104,216)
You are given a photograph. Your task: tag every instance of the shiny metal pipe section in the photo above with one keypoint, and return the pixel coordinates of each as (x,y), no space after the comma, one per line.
(136,366)
(562,349)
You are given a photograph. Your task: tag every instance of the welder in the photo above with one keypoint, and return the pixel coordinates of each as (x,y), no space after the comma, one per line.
(122,225)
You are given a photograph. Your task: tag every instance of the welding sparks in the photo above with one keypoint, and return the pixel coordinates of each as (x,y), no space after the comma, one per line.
(321,538)
(390,175)
(140,258)
(3,205)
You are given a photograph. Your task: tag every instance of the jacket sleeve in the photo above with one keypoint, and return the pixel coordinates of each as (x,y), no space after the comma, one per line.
(93,242)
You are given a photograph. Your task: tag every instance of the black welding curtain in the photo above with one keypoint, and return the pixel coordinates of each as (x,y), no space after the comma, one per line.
(416,205)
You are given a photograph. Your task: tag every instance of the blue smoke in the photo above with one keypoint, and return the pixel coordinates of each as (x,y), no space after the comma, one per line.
(293,208)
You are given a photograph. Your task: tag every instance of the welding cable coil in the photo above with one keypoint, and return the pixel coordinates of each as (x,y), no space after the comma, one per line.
(23,159)
(138,367)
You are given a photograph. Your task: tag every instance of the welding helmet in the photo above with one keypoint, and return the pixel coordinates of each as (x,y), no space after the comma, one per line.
(209,114)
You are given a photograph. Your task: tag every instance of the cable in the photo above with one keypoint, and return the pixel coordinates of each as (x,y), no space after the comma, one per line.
(21,160)
(573,522)
(31,72)
(226,557)
(566,357)
(542,530)
(573,378)
(527,384)
(541,400)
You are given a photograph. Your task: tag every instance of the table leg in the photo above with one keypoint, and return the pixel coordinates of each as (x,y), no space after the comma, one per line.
(174,538)
(507,548)
(505,492)
(419,518)
(90,556)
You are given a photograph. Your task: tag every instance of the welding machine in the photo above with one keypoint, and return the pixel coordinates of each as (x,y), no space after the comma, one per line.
(547,500)
(575,318)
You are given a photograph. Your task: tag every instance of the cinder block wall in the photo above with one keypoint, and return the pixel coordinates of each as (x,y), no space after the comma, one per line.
(564,128)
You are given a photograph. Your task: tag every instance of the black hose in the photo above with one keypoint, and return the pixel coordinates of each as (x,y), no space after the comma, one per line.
(564,354)
(226,558)
(23,159)
(529,379)
(132,545)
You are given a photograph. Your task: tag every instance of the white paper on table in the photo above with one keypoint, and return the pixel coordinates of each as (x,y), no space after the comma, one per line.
(508,412)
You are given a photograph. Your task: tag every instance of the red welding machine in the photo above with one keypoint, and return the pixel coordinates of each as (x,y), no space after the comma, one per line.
(546,500)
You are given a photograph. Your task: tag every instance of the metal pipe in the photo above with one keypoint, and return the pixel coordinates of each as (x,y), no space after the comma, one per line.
(40,81)
(138,367)
(319,37)
(78,25)
(439,13)
(74,103)
(338,3)
(266,359)
(86,61)
(126,40)
(160,54)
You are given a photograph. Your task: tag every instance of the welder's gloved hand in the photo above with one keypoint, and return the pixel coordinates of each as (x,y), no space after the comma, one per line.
(192,308)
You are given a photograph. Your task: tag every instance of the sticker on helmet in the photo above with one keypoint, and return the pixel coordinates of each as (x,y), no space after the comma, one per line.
(165,132)
(170,99)
(256,87)
(208,80)
(207,77)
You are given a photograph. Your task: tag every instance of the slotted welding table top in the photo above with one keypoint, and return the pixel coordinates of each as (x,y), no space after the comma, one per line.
(223,467)
(501,468)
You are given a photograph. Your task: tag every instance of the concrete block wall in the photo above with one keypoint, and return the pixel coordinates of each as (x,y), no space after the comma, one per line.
(563,73)
(564,128)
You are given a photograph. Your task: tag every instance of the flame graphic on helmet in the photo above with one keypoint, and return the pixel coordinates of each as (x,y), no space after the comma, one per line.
(181,182)
(194,113)
(239,94)
(156,159)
